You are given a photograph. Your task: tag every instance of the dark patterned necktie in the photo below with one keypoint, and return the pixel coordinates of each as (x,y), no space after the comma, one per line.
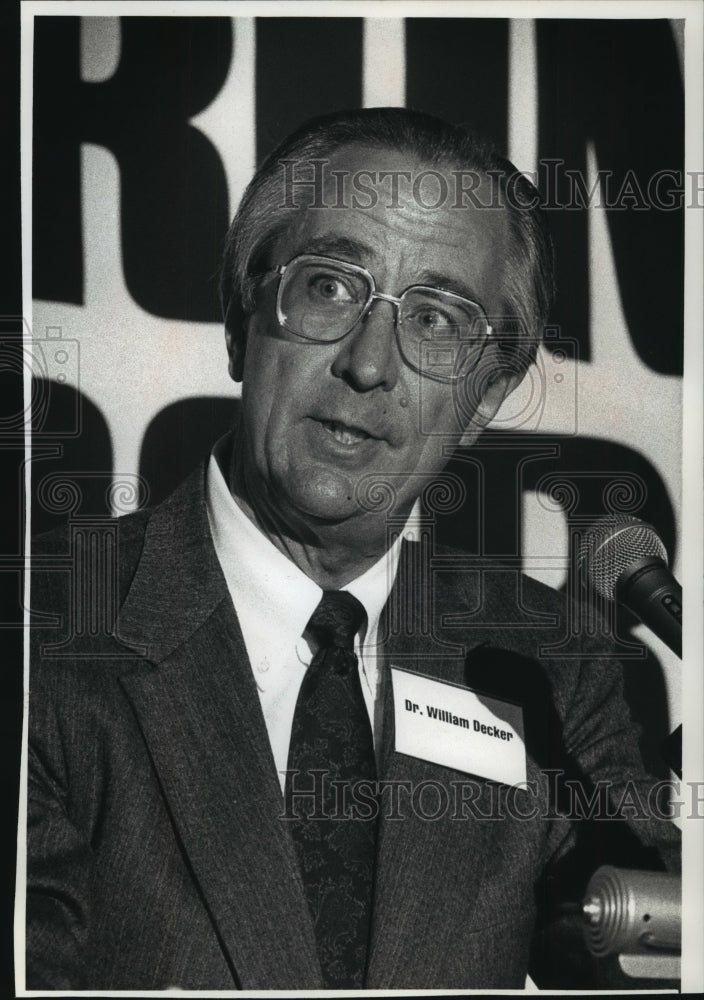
(331,768)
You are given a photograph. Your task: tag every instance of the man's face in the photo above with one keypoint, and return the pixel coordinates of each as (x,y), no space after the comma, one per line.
(319,418)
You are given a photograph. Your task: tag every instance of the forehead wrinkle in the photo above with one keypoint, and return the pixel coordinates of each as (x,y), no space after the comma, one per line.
(337,245)
(407,217)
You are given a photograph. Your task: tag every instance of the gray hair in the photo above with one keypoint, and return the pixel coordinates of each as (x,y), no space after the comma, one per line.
(262,217)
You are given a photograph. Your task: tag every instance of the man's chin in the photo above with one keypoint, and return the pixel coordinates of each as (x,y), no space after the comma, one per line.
(324,508)
(330,498)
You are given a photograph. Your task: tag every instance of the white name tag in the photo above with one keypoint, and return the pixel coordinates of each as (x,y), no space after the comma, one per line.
(458,728)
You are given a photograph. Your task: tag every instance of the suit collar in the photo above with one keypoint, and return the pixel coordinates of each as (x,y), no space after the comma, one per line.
(178,582)
(197,705)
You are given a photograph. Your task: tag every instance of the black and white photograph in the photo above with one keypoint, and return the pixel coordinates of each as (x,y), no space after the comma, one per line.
(361,347)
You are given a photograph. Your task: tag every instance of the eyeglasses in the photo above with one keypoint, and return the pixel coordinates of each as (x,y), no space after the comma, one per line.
(439,334)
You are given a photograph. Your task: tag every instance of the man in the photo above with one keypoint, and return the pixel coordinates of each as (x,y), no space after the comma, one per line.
(236,789)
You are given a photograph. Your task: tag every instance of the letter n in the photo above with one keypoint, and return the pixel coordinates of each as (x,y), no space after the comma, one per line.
(578,107)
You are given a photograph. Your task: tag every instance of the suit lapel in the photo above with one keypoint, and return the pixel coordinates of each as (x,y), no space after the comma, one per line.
(202,722)
(428,871)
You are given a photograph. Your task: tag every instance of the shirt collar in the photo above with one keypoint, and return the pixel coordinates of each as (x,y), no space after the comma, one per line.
(261,578)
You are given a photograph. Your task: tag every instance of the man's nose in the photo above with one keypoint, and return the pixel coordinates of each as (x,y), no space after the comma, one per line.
(368,357)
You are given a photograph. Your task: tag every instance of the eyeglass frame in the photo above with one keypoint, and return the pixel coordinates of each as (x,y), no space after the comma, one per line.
(375,295)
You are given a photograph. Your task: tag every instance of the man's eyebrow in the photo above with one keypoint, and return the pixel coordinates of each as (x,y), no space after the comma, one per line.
(338,245)
(444,281)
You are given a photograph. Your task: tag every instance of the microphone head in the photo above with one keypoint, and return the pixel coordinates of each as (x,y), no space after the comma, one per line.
(611,545)
(632,912)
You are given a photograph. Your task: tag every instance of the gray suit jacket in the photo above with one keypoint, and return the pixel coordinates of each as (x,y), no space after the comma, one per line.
(157,854)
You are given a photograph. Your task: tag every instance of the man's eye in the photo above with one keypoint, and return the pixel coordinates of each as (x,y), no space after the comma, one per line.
(431,319)
(331,288)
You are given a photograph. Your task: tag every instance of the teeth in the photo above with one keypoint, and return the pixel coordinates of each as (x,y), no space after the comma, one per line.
(343,434)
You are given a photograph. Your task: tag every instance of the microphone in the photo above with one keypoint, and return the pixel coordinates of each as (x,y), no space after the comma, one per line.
(624,560)
(630,912)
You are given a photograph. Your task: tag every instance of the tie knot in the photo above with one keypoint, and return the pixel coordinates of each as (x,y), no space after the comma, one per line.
(336,620)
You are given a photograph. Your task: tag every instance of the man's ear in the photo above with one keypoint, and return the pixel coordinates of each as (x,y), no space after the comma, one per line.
(236,324)
(494,391)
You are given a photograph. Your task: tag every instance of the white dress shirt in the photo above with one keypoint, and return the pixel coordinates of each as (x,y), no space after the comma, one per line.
(274,601)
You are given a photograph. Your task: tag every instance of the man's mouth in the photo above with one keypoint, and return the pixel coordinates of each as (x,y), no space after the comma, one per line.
(344,433)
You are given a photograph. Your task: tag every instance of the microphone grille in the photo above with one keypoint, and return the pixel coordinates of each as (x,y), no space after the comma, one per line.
(611,545)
